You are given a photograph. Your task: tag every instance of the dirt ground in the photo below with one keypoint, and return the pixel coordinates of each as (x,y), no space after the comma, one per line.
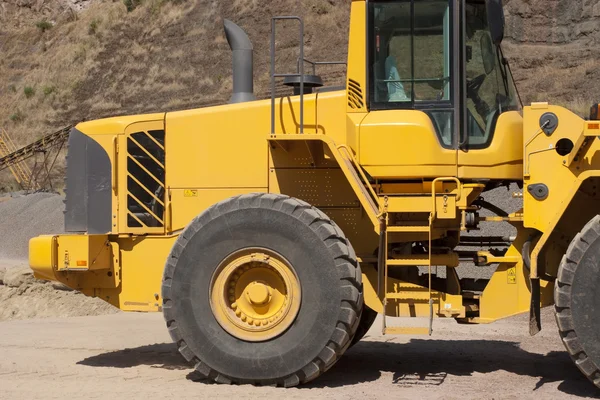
(130,356)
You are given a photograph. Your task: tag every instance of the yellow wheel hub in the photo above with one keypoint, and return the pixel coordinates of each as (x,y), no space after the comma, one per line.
(255,294)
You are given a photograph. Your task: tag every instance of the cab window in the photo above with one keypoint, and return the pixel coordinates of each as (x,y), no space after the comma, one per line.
(410,60)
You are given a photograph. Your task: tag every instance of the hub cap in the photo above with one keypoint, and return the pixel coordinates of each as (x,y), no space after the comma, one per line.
(255,294)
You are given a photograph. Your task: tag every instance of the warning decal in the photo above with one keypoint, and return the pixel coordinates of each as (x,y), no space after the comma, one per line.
(512,275)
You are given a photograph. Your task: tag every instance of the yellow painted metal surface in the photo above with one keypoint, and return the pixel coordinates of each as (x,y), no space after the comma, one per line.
(116,125)
(391,330)
(42,257)
(196,138)
(82,262)
(399,144)
(568,205)
(186,204)
(357,67)
(408,300)
(51,254)
(508,291)
(503,159)
(83,252)
(542,164)
(142,261)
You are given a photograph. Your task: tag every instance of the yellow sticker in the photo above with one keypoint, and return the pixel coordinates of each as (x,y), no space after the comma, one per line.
(512,275)
(190,193)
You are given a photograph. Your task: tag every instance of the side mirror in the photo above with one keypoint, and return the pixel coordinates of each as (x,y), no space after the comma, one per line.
(495,15)
(488,55)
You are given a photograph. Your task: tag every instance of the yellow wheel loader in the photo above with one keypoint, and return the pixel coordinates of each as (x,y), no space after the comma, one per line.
(270,233)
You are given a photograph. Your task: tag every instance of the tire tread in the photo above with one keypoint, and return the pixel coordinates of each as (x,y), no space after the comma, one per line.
(562,299)
(345,261)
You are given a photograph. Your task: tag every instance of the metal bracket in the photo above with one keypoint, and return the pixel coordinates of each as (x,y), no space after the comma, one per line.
(549,123)
(539,191)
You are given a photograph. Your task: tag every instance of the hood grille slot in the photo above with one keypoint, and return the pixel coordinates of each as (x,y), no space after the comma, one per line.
(355,95)
(146,179)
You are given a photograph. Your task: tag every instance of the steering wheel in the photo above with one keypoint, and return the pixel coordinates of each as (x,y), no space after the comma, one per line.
(474,85)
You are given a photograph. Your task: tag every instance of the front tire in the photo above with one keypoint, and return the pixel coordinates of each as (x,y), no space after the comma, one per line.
(262,289)
(577,300)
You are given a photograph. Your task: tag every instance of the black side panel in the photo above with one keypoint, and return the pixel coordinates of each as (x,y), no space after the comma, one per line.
(89,199)
(99,173)
(76,184)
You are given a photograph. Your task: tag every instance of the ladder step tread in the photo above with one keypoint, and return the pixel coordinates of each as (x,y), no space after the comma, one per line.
(408,229)
(422,295)
(406,331)
(409,261)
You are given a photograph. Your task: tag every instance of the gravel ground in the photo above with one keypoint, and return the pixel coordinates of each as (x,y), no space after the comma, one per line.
(24,217)
(131,356)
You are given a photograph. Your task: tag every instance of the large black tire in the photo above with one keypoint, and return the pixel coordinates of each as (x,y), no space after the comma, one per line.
(366,321)
(327,270)
(577,300)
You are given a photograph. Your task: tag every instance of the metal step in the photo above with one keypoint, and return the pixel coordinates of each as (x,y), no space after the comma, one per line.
(408,229)
(392,330)
(422,260)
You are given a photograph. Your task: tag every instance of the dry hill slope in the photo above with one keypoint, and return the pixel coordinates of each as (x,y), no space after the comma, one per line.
(64,61)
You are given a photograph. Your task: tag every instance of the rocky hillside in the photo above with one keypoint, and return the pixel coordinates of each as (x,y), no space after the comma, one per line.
(64,61)
(551,45)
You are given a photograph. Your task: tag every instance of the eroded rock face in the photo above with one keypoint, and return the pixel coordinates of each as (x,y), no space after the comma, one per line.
(553,21)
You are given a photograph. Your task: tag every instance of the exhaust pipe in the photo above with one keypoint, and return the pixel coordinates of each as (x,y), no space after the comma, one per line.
(243,63)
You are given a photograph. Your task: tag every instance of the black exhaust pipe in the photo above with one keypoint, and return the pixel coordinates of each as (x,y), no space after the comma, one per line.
(243,63)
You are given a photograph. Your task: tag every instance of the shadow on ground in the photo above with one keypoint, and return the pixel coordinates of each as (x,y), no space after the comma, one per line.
(156,355)
(420,362)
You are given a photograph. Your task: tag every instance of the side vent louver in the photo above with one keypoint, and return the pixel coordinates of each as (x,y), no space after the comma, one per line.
(146,179)
(355,95)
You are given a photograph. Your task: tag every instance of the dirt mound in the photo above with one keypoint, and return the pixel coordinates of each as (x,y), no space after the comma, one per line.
(34,215)
(23,297)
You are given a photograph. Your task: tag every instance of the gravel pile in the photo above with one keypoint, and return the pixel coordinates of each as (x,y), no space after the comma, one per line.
(23,297)
(23,217)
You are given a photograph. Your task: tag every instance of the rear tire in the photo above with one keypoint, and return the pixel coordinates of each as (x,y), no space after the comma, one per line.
(317,253)
(577,300)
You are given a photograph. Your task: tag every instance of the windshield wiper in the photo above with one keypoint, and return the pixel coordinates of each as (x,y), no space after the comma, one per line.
(506,72)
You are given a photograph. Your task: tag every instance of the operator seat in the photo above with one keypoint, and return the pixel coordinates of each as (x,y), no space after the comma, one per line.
(396,92)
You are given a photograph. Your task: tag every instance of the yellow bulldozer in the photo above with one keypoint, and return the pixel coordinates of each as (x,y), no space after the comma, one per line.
(271,233)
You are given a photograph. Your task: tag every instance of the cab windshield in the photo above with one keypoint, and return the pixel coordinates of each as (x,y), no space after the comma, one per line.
(412,54)
(490,86)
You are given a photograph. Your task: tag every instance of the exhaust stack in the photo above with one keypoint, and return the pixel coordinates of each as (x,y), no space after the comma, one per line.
(243,63)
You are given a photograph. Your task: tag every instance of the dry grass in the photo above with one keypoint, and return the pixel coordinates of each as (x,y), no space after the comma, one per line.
(170,55)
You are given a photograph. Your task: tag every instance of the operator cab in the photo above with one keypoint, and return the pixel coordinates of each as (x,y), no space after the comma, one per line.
(446,62)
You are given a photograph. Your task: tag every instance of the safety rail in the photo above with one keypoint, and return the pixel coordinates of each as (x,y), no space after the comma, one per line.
(300,68)
(314,64)
(275,75)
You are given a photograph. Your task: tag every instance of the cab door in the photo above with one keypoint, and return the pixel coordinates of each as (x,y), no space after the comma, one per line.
(491,144)
(410,131)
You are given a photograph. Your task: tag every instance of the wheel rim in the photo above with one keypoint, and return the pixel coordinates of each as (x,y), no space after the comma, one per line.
(255,294)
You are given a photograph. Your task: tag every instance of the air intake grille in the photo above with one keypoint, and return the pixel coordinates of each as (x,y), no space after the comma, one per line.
(146,179)
(355,95)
